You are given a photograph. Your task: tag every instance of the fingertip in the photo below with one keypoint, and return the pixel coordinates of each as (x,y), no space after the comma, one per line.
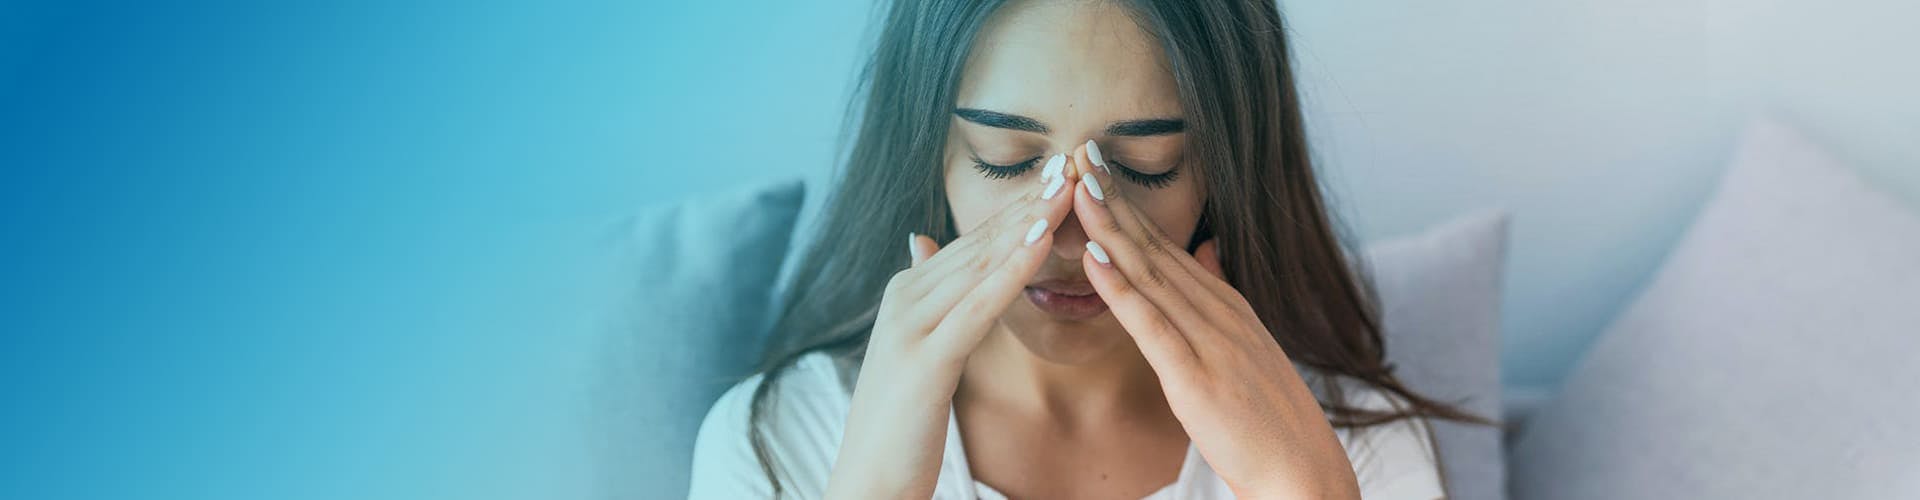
(1039,230)
(1094,207)
(1062,202)
(1094,272)
(1094,188)
(1101,275)
(1099,254)
(1093,154)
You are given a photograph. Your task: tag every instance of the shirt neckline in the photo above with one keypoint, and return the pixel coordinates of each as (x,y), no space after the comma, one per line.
(956,474)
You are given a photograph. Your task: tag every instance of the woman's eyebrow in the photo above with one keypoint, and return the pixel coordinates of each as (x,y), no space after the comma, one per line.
(1143,128)
(1001,120)
(1129,128)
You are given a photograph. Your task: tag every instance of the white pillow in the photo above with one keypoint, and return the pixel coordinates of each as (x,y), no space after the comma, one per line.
(1440,304)
(1775,355)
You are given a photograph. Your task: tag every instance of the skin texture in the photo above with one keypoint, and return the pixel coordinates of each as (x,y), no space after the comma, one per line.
(1040,400)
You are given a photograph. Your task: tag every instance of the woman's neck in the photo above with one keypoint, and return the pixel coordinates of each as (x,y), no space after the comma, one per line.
(1004,374)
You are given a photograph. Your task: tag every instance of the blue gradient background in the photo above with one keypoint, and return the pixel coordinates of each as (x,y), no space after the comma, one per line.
(334,249)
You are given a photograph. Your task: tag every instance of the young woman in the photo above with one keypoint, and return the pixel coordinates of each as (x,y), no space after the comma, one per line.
(1119,279)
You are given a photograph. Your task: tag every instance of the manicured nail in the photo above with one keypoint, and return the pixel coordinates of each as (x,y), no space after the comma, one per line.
(1039,229)
(1053,187)
(1099,254)
(1093,155)
(912,249)
(1093,187)
(1056,167)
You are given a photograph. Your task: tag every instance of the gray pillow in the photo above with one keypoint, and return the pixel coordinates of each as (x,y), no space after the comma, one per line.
(1773,355)
(698,278)
(1440,303)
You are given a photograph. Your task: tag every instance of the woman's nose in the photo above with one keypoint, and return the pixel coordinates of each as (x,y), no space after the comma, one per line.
(1070,240)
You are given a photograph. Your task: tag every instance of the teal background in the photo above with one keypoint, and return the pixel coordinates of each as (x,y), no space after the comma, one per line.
(339,249)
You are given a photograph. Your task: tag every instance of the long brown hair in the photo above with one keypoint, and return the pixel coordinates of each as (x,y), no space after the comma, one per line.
(1277,244)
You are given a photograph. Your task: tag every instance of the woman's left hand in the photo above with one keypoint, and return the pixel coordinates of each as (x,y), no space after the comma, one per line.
(1228,382)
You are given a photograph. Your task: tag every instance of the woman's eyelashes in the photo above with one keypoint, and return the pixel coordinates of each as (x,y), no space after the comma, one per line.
(1149,181)
(993,171)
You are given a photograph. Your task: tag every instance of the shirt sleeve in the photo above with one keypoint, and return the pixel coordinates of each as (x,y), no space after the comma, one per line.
(1396,460)
(724,464)
(805,418)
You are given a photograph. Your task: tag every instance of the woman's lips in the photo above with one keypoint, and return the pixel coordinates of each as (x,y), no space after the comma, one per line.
(1069,300)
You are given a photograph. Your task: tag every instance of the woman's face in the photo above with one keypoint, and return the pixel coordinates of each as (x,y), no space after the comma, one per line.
(1045,77)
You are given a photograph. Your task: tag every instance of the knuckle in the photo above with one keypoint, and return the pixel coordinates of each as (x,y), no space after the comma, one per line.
(898,283)
(1111,225)
(1240,303)
(1155,249)
(978,263)
(971,309)
(1154,278)
(1125,290)
(1154,236)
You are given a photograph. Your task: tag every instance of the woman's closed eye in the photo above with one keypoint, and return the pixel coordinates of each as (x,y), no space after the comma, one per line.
(1149,181)
(993,171)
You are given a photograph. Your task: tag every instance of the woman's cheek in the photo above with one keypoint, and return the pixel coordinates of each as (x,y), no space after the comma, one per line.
(971,198)
(1174,209)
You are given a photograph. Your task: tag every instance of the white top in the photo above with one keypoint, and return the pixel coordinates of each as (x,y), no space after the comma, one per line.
(808,414)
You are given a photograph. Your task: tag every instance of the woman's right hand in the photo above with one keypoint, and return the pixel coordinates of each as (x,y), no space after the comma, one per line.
(932,316)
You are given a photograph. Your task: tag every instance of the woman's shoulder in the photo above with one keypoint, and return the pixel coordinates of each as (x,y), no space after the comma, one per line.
(802,419)
(816,385)
(1396,459)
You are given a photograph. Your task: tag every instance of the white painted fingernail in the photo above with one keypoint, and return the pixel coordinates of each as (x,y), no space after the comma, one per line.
(1056,167)
(1053,187)
(1093,154)
(1093,187)
(1099,254)
(1039,229)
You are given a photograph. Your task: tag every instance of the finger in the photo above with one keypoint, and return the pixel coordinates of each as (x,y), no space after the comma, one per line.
(1207,271)
(1163,344)
(1046,200)
(1011,224)
(1163,270)
(974,314)
(1134,248)
(1133,284)
(962,265)
(1205,265)
(948,287)
(1094,174)
(1091,153)
(1135,222)
(1206,258)
(1208,290)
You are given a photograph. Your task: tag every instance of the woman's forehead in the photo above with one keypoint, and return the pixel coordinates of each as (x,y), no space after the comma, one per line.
(1076,66)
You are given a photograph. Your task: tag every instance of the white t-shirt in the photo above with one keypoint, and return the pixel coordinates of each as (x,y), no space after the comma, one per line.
(808,415)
